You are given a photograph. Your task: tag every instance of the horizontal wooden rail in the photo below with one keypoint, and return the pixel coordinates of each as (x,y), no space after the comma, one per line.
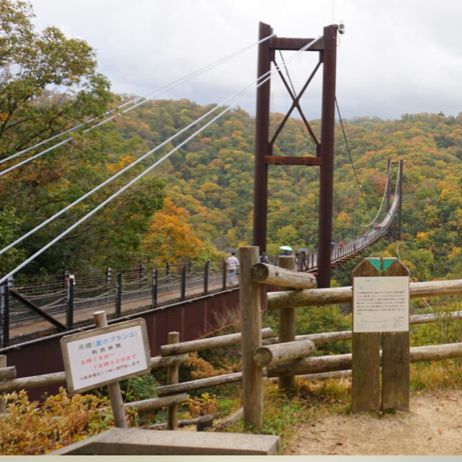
(7,373)
(198,384)
(329,363)
(153,404)
(328,337)
(207,343)
(59,378)
(292,299)
(281,353)
(263,273)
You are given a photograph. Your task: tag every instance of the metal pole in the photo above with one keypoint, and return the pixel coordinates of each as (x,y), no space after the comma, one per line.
(262,146)
(206,277)
(326,184)
(183,282)
(224,269)
(140,275)
(108,275)
(118,296)
(155,281)
(70,302)
(5,314)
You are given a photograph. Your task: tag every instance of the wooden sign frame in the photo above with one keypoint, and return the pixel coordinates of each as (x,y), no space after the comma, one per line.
(370,350)
(103,332)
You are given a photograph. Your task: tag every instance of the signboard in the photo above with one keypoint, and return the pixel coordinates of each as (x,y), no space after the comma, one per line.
(105,355)
(381,304)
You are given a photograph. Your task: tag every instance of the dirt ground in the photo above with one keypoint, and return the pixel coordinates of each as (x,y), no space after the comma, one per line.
(432,427)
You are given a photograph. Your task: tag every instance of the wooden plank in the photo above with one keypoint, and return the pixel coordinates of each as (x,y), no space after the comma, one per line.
(287,325)
(365,357)
(395,356)
(251,314)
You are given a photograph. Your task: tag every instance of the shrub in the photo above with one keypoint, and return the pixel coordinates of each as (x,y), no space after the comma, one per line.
(33,428)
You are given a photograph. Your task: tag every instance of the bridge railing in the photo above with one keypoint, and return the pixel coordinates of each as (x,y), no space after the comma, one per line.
(69,303)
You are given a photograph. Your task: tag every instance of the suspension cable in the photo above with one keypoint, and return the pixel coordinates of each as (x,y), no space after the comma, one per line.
(381,203)
(349,152)
(261,80)
(138,101)
(287,73)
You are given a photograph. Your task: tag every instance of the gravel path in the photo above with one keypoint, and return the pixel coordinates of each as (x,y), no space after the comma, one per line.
(432,427)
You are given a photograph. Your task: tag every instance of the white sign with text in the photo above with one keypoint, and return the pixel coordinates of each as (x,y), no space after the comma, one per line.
(105,355)
(381,304)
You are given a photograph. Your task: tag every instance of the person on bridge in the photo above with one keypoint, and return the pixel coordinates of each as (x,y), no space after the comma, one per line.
(232,264)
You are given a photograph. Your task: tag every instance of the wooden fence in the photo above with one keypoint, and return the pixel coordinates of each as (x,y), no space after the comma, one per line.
(264,355)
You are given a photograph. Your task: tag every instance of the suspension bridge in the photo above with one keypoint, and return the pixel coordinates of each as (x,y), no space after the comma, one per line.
(197,298)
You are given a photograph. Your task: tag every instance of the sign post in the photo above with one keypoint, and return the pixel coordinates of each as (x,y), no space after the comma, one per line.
(104,356)
(380,335)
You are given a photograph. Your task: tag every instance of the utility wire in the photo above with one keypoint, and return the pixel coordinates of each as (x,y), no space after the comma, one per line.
(138,101)
(261,80)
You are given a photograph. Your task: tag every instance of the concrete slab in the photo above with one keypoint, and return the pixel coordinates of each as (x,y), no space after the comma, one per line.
(134,441)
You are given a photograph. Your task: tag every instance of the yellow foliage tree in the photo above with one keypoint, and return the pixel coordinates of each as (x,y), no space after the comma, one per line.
(170,236)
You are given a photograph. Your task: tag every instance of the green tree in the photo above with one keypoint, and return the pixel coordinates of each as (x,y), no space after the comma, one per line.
(47,80)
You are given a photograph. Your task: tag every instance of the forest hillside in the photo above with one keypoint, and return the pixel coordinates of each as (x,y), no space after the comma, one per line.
(198,204)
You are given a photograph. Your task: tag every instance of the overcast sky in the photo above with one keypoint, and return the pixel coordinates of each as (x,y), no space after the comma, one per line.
(396,57)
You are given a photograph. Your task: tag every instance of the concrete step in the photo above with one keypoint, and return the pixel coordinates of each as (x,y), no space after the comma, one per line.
(134,441)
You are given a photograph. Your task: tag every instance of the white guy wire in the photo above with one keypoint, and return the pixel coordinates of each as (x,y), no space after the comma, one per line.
(116,175)
(143,100)
(69,130)
(125,169)
(142,174)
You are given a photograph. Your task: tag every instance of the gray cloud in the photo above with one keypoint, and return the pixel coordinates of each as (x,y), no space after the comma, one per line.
(396,56)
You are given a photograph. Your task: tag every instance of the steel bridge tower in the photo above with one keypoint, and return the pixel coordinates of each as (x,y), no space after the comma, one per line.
(326,46)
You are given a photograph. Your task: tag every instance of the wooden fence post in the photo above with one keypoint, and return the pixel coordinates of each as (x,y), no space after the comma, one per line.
(287,325)
(172,378)
(250,313)
(115,394)
(2,399)
(395,354)
(366,357)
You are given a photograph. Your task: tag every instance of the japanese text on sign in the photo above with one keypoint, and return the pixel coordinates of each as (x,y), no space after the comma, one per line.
(106,357)
(381,304)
